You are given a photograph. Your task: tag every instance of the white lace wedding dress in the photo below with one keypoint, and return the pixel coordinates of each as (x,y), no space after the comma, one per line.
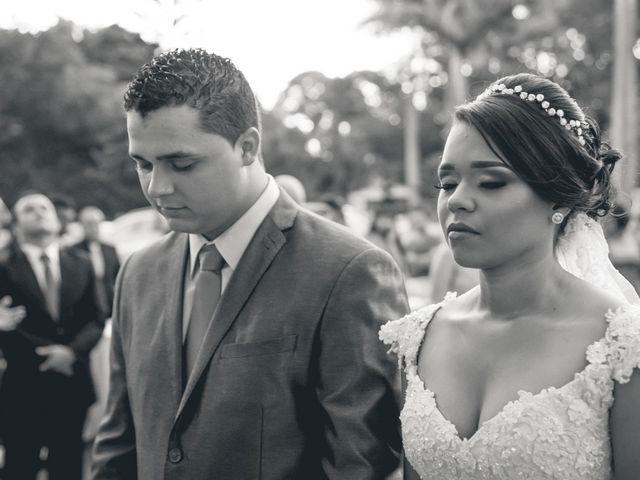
(558,433)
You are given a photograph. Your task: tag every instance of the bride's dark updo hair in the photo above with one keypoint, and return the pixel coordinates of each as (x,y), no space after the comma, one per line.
(540,150)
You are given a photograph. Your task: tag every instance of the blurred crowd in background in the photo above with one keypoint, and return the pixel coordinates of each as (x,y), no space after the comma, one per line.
(383,214)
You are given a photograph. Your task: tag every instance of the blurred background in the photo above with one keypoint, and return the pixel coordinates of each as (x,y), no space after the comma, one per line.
(357,96)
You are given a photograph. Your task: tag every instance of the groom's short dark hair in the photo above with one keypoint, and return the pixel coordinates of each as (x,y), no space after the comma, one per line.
(205,81)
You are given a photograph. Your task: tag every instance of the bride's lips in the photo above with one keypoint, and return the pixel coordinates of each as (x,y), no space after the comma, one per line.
(460,230)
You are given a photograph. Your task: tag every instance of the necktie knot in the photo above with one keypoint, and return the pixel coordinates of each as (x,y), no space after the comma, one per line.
(210,259)
(44,258)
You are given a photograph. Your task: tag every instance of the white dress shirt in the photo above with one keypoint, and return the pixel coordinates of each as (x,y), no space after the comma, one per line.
(231,244)
(34,254)
(97,259)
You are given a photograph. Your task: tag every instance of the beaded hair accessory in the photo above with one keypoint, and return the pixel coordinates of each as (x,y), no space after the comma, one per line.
(575,126)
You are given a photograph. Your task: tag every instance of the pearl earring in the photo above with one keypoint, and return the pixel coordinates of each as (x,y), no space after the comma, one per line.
(557,218)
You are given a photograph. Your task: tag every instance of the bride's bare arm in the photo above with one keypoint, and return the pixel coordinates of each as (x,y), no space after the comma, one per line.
(625,429)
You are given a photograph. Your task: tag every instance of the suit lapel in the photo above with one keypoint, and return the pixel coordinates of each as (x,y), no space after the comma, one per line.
(25,276)
(266,243)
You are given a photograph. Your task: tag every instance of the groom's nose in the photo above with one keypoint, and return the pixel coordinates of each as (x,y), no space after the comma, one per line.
(160,183)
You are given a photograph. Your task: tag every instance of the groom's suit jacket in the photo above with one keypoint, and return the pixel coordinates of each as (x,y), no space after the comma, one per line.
(292,381)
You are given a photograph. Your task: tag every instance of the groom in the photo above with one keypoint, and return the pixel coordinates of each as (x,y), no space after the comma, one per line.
(244,342)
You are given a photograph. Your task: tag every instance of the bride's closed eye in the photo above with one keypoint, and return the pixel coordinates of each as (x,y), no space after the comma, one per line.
(485,185)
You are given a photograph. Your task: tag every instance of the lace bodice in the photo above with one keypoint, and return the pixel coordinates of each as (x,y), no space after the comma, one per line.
(558,433)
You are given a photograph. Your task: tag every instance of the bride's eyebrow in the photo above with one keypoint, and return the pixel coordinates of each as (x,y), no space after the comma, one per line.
(475,164)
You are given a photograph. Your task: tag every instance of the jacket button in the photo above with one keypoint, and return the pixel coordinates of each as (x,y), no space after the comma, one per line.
(175,455)
(59,330)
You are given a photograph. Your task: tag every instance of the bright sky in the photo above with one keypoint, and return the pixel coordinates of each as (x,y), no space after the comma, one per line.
(271,41)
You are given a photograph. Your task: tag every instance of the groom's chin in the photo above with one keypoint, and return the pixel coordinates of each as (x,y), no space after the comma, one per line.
(180,225)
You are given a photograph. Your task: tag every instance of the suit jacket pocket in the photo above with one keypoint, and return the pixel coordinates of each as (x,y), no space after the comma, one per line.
(266,347)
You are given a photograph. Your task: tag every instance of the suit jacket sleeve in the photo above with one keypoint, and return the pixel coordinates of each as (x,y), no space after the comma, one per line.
(358,385)
(114,455)
(7,338)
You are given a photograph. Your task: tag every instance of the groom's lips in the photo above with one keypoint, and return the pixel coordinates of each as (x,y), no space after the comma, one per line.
(170,211)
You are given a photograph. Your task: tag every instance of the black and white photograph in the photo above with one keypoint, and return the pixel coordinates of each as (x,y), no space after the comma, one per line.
(319,240)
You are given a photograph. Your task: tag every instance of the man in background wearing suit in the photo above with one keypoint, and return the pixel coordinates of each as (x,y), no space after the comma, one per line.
(104,257)
(49,323)
(244,342)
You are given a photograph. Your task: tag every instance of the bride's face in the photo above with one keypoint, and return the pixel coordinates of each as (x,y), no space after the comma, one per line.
(490,217)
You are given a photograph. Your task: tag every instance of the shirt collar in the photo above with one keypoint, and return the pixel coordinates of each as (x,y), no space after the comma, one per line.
(233,242)
(34,252)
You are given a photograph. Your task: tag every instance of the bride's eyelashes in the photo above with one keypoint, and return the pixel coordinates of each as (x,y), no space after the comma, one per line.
(486,185)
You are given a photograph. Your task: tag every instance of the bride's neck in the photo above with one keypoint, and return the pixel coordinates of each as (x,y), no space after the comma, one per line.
(511,291)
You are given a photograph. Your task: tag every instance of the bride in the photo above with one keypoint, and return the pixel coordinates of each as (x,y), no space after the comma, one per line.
(534,373)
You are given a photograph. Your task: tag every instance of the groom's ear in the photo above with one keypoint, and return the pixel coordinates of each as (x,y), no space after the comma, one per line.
(248,144)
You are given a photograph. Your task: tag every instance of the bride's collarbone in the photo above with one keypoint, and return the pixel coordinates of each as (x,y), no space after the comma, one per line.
(482,341)
(476,366)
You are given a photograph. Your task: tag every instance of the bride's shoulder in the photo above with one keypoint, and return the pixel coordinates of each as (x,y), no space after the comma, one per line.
(404,335)
(620,346)
(587,300)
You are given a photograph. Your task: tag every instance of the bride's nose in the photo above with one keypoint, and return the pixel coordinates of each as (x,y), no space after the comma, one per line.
(461,198)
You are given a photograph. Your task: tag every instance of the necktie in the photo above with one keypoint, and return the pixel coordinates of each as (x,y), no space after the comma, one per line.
(50,287)
(205,299)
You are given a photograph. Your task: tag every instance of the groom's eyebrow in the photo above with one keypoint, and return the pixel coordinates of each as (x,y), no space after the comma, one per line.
(167,156)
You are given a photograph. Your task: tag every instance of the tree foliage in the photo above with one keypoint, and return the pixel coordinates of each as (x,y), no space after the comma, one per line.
(338,134)
(61,118)
(566,40)
(477,41)
(62,127)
